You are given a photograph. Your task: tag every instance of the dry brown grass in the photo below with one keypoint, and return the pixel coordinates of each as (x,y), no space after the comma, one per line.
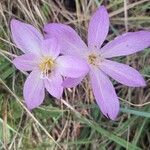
(75,122)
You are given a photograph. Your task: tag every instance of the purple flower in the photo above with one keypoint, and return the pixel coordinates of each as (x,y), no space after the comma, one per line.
(42,58)
(97,58)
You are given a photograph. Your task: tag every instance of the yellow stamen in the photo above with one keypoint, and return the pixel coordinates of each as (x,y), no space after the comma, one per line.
(46,66)
(94,59)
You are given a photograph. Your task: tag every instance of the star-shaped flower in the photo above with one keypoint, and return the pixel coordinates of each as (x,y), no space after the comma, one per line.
(97,58)
(42,58)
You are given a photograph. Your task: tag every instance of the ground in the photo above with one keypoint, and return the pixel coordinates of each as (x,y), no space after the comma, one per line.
(76,122)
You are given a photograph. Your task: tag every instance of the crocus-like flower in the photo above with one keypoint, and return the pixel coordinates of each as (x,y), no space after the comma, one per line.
(42,58)
(98,58)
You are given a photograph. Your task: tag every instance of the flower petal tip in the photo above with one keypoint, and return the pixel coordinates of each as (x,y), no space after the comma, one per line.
(29,108)
(113,117)
(102,7)
(14,23)
(15,63)
(140,83)
(143,83)
(113,113)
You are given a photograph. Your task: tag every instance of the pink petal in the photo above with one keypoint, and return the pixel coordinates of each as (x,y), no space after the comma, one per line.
(98,28)
(53,85)
(26,37)
(72,67)
(68,39)
(126,44)
(104,93)
(72,82)
(26,62)
(50,47)
(123,73)
(34,90)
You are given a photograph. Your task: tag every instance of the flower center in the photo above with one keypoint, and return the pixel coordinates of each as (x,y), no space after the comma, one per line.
(46,66)
(94,59)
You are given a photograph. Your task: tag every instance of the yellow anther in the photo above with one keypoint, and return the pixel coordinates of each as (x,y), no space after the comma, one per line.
(46,65)
(94,59)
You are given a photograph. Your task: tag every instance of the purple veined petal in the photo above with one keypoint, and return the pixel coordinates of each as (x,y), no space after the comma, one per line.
(70,66)
(26,62)
(98,28)
(104,93)
(53,85)
(69,41)
(72,82)
(123,73)
(126,44)
(50,47)
(33,91)
(26,37)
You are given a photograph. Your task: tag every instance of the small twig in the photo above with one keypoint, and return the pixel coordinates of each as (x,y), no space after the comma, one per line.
(137,105)
(126,15)
(129,7)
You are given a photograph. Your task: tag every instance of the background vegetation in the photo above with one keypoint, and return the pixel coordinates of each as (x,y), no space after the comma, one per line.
(76,122)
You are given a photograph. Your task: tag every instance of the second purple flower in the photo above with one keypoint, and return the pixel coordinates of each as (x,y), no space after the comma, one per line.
(97,58)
